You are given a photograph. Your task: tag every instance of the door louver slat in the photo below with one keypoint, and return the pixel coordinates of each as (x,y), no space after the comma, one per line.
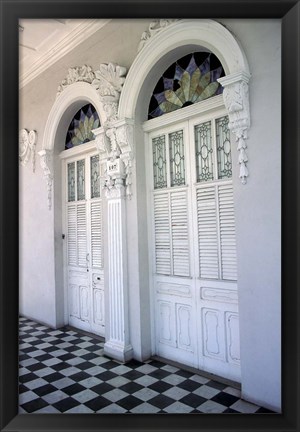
(81,235)
(162,234)
(96,233)
(180,241)
(72,247)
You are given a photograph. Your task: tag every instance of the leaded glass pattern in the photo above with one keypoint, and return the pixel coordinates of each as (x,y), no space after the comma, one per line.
(80,180)
(189,80)
(80,129)
(71,181)
(95,177)
(159,162)
(204,152)
(177,168)
(223,148)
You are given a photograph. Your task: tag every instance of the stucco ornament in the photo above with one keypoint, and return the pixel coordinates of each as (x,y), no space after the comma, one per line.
(109,80)
(155,27)
(27,145)
(236,100)
(77,74)
(46,159)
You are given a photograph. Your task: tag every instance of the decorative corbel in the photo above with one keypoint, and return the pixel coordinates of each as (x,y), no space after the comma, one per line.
(27,145)
(155,27)
(236,100)
(47,166)
(109,80)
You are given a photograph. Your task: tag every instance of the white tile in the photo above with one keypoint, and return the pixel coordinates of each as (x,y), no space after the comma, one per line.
(22,411)
(24,345)
(170,368)
(199,379)
(176,393)
(62,383)
(146,369)
(211,407)
(98,360)
(115,395)
(36,353)
(90,382)
(49,409)
(145,394)
(59,352)
(84,344)
(30,339)
(121,370)
(146,380)
(118,381)
(64,345)
(52,361)
(80,409)
(178,408)
(112,409)
(69,338)
(145,408)
(27,397)
(95,370)
(80,352)
(23,371)
(84,396)
(232,391)
(28,362)
(43,345)
(244,407)
(44,372)
(54,397)
(36,383)
(174,379)
(206,392)
(75,361)
(70,371)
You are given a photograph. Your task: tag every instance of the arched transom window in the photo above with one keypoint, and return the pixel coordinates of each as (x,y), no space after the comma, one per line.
(81,126)
(189,80)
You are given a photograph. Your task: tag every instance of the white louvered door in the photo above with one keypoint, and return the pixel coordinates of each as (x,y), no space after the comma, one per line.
(194,245)
(85,278)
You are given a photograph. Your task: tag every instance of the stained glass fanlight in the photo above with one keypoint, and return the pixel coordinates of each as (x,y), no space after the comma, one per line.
(80,129)
(189,80)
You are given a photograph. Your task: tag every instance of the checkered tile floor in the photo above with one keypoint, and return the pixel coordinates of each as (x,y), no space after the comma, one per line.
(64,371)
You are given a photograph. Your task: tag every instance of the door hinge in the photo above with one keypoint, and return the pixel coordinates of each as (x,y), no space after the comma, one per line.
(63,236)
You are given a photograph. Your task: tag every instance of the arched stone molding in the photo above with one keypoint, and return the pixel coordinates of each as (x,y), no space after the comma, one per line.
(68,102)
(180,38)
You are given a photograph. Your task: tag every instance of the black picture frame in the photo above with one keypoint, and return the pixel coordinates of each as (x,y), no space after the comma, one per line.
(289,13)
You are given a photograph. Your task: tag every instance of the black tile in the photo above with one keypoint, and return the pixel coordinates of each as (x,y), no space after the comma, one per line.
(132,375)
(34,405)
(184,373)
(93,348)
(224,399)
(36,366)
(189,385)
(65,357)
(216,385)
(73,389)
(45,389)
(23,389)
(28,350)
(55,376)
(80,376)
(72,348)
(157,363)
(131,387)
(161,401)
(264,411)
(90,356)
(109,364)
(129,402)
(160,386)
(27,377)
(230,411)
(193,400)
(60,366)
(84,365)
(133,364)
(44,357)
(97,403)
(35,342)
(159,374)
(66,404)
(105,376)
(102,388)
(50,349)
(23,357)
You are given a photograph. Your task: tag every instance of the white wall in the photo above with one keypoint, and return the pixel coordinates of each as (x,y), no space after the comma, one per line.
(257,205)
(258,208)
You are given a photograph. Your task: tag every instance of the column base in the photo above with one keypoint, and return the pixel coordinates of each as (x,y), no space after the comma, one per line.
(118,351)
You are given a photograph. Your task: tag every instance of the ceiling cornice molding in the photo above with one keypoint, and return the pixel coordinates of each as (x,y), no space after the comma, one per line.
(86,29)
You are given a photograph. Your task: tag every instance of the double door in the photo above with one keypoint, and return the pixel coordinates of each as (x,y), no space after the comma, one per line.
(84,249)
(194,246)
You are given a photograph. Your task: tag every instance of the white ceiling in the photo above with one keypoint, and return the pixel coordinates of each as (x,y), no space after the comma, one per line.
(43,42)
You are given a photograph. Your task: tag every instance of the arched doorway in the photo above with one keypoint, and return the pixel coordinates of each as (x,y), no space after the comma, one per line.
(163,49)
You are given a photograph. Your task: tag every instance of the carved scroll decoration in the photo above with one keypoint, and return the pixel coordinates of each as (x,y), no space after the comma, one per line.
(236,100)
(47,167)
(155,27)
(27,145)
(77,74)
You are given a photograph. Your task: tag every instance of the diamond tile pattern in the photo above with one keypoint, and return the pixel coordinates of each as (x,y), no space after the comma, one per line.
(64,371)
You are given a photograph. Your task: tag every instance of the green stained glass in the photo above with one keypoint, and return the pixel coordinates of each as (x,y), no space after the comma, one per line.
(204,152)
(177,168)
(95,177)
(81,180)
(80,129)
(223,148)
(71,181)
(189,80)
(159,162)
